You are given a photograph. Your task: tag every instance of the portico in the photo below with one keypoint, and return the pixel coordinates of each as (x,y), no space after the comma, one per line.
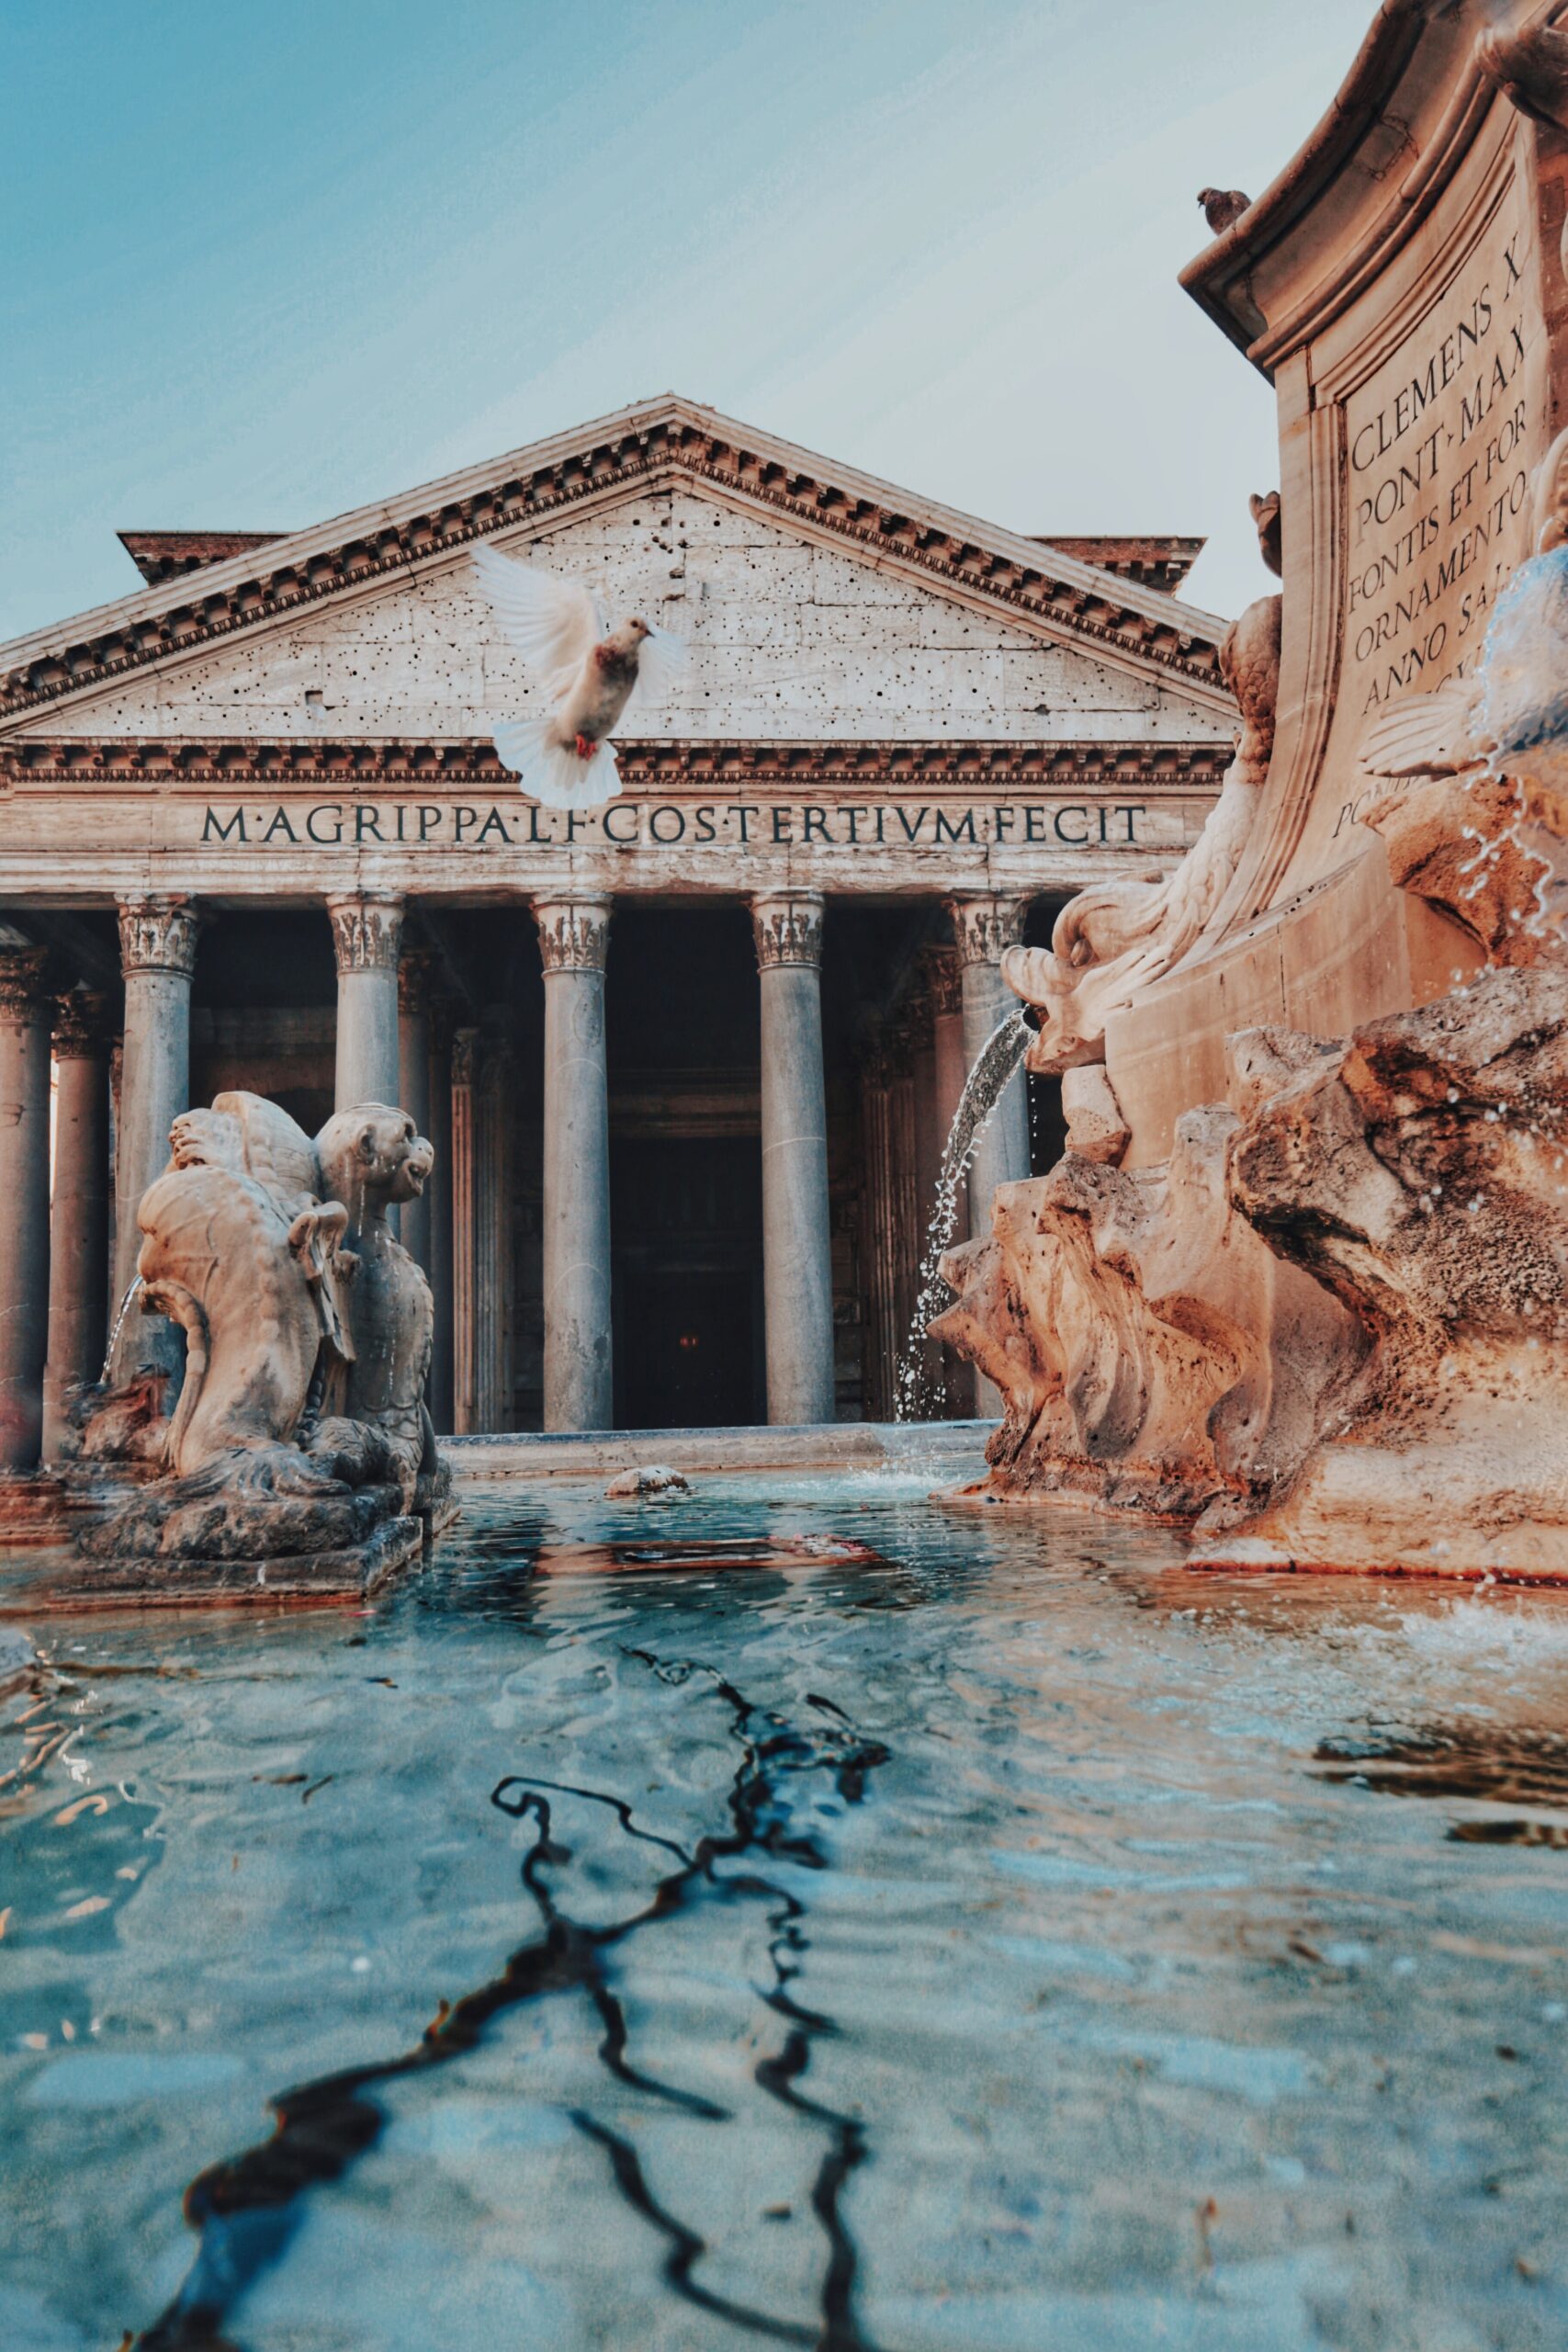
(687,1059)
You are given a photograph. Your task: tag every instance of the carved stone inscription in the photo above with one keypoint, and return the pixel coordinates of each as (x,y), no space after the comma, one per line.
(1439,444)
(716,825)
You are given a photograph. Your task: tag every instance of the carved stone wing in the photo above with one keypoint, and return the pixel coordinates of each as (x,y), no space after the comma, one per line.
(1427,734)
(314,1238)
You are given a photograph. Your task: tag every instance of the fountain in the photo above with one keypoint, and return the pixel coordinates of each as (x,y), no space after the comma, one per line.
(298,1458)
(995,1066)
(1319,1312)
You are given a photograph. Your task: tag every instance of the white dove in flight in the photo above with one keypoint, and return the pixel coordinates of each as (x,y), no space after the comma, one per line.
(564,758)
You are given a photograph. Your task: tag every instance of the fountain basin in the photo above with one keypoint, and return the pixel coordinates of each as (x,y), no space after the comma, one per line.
(1177,1955)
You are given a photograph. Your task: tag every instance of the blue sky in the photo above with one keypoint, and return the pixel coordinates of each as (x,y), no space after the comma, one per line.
(264,263)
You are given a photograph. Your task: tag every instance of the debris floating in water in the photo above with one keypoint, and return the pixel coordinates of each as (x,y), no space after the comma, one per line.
(665,1555)
(658,1479)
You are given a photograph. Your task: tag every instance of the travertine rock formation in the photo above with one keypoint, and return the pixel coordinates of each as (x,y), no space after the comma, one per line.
(1152,1351)
(1419,1174)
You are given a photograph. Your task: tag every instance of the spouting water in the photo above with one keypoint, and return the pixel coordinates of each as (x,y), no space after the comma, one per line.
(135,1285)
(995,1065)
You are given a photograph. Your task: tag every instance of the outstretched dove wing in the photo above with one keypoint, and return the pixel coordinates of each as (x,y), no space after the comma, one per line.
(660,661)
(1427,734)
(552,623)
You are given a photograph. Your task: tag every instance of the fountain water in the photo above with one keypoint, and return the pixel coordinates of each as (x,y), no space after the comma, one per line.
(995,1066)
(132,1288)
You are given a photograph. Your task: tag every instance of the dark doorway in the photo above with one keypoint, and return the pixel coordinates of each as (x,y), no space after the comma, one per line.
(685,1167)
(687,1360)
(685,1221)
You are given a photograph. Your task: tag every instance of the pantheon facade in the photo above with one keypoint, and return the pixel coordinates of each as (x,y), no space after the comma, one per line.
(687,1059)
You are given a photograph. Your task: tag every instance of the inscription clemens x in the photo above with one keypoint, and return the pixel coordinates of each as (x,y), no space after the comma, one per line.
(1439,483)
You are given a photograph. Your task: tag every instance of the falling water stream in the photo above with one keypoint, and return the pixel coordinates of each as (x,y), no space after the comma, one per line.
(995,1065)
(131,1289)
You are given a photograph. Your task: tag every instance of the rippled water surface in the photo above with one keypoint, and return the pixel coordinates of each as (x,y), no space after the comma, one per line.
(1010,1941)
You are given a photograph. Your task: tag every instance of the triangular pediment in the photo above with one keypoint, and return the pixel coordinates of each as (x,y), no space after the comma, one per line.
(663,448)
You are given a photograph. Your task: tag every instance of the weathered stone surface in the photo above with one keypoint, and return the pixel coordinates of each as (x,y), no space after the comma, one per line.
(1150,1348)
(301,1434)
(1417,1173)
(1110,943)
(283,1579)
(1096,1129)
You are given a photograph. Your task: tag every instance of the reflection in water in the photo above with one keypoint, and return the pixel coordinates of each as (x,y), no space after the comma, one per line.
(1498,1763)
(1139,2006)
(247,2208)
(1510,1764)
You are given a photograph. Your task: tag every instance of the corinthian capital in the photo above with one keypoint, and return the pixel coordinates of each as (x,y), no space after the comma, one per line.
(21,981)
(81,1025)
(414,970)
(944,984)
(787,928)
(158,933)
(574,933)
(367,928)
(984,927)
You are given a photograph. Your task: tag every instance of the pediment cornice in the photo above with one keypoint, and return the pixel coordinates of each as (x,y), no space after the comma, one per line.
(643,448)
(466,763)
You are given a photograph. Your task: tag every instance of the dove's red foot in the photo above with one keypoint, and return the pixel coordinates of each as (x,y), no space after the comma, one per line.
(585,747)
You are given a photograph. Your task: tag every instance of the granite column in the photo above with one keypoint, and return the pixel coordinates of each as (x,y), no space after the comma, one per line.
(438,1196)
(79,1220)
(24,1189)
(366,926)
(414,1090)
(949,1068)
(797,1264)
(493,1235)
(573,940)
(985,928)
(157,949)
(465,1254)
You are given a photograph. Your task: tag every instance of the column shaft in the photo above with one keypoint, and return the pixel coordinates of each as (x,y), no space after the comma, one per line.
(493,1239)
(366,929)
(157,946)
(578,1385)
(438,1193)
(950,1070)
(24,1188)
(983,928)
(413,1092)
(797,1265)
(465,1255)
(79,1220)
(876,1225)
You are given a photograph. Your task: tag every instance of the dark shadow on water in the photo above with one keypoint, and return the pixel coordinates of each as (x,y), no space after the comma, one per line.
(247,2208)
(1498,1764)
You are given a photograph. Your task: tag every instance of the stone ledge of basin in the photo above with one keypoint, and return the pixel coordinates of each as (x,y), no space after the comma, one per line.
(805,1445)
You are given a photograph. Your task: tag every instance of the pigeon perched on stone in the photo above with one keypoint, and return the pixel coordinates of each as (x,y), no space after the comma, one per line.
(1222,206)
(588,672)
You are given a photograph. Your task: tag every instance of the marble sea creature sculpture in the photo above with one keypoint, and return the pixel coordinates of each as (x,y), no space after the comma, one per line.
(1109,943)
(299,1456)
(588,671)
(375,1421)
(250,1268)
(1151,1350)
